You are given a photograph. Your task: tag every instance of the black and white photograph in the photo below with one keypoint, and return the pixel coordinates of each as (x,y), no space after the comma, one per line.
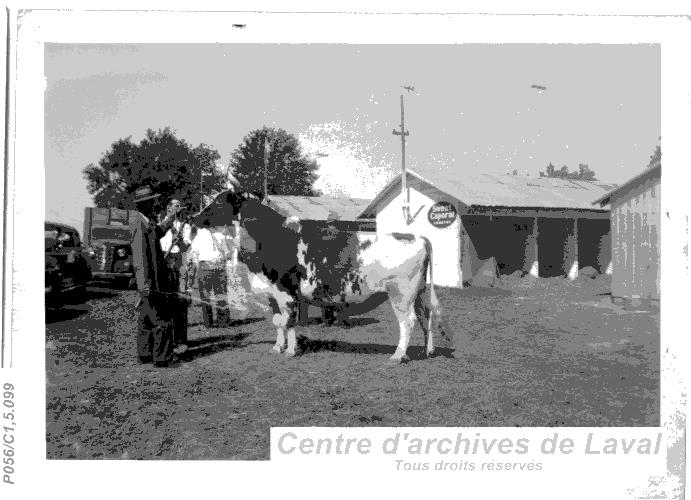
(256,238)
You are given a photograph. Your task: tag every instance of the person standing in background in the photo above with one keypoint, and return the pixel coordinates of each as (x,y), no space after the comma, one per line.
(210,254)
(175,243)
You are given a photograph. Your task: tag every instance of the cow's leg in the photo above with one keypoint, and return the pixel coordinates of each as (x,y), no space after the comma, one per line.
(424,317)
(285,310)
(292,320)
(406,317)
(279,320)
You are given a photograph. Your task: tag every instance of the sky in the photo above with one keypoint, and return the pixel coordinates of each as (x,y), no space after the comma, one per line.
(473,109)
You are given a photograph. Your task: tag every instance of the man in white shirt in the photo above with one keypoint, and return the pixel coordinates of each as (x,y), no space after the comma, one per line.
(210,252)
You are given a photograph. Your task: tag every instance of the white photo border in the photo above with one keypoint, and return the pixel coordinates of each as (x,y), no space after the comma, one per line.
(23,340)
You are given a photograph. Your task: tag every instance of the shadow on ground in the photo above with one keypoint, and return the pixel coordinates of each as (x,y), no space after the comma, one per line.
(231,324)
(100,293)
(346,323)
(65,313)
(211,345)
(308,345)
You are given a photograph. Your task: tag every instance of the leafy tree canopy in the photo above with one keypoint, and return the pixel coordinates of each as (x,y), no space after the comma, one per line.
(289,171)
(168,165)
(584,173)
(656,157)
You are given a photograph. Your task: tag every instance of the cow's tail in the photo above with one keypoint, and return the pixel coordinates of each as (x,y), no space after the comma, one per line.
(437,322)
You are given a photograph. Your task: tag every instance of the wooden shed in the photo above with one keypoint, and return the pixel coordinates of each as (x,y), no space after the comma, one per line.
(635,222)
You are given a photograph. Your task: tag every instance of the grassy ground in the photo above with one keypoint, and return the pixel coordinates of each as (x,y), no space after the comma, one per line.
(535,353)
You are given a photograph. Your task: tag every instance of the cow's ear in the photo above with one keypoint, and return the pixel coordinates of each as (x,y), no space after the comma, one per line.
(293,223)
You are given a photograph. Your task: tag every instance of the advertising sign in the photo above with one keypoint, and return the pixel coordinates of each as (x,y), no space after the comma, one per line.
(442,214)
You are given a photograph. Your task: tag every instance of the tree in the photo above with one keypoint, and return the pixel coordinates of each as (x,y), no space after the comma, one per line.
(549,171)
(584,173)
(289,171)
(656,158)
(161,161)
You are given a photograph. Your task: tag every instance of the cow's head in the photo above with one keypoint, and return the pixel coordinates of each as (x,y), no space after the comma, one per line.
(261,221)
(261,225)
(269,244)
(222,211)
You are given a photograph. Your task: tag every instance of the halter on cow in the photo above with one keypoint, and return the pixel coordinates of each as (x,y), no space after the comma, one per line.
(290,262)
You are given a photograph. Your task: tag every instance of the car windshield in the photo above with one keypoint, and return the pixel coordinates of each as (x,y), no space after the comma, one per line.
(51,237)
(66,240)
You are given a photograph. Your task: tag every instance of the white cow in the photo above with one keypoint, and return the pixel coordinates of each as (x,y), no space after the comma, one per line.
(289,262)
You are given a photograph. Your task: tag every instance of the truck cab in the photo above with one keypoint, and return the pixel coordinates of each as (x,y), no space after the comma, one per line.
(107,234)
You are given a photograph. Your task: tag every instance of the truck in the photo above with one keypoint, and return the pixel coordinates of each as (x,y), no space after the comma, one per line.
(107,236)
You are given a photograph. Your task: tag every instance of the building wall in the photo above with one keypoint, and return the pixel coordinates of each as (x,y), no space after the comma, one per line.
(635,220)
(594,244)
(445,241)
(507,236)
(365,236)
(555,246)
(502,238)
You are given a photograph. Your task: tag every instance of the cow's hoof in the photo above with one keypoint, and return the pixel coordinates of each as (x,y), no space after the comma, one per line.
(430,354)
(277,349)
(398,360)
(290,354)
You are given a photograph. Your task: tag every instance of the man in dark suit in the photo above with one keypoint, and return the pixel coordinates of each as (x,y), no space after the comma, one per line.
(157,292)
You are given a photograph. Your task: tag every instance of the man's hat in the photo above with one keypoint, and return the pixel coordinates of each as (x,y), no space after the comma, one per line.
(144,193)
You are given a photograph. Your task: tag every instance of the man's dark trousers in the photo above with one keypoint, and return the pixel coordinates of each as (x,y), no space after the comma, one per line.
(155,339)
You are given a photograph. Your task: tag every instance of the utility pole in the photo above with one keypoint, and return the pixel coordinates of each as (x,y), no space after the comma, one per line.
(201,186)
(403,133)
(265,201)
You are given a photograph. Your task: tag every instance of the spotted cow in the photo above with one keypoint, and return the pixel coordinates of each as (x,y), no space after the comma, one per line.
(290,262)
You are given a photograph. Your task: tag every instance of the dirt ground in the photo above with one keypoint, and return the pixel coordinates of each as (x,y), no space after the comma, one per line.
(527,353)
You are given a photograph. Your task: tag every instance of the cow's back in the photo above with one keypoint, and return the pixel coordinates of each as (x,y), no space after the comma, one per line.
(389,252)
(388,259)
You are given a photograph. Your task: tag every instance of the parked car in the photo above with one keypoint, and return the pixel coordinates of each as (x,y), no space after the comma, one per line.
(67,271)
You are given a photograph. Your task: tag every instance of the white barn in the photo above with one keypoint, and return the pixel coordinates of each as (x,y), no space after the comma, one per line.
(542,226)
(636,221)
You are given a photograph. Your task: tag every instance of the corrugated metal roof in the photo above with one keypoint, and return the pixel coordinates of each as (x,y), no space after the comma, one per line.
(653,171)
(489,190)
(318,207)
